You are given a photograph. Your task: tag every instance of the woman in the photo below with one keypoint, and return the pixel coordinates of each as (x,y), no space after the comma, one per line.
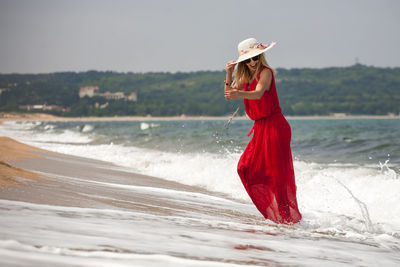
(266,166)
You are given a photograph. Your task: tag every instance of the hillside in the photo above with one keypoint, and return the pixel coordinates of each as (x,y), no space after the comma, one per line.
(356,89)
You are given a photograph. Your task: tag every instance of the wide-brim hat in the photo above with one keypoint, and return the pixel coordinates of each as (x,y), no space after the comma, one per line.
(250,48)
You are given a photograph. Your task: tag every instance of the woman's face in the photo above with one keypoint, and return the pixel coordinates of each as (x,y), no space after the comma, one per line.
(252,64)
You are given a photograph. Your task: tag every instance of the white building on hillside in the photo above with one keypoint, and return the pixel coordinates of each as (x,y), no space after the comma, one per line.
(132,97)
(89,91)
(115,96)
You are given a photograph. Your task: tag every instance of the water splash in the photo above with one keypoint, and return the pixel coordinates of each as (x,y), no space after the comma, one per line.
(229,121)
(386,170)
(384,167)
(363,207)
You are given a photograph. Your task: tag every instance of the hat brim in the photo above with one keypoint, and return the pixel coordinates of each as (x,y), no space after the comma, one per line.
(254,53)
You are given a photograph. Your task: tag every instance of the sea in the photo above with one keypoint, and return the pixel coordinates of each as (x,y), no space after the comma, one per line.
(347,174)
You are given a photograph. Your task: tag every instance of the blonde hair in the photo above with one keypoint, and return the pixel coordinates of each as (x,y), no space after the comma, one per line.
(243,74)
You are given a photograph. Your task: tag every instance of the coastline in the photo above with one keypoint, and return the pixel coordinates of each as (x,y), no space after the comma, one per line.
(49,117)
(27,165)
(10,152)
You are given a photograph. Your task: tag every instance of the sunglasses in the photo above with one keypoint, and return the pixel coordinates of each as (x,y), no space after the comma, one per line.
(253,58)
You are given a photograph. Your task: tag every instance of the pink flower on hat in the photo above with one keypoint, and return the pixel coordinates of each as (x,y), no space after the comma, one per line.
(261,46)
(242,52)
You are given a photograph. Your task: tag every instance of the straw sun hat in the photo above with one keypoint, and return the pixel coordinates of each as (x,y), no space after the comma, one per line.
(250,48)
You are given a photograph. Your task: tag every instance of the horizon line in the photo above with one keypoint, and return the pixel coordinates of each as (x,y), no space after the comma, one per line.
(176,72)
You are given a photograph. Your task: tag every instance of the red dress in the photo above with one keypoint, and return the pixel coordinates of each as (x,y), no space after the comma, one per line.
(266,166)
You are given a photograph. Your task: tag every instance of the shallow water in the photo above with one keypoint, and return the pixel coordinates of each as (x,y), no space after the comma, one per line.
(347,174)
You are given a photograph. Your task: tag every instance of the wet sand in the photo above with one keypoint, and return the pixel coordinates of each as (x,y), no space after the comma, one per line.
(39,174)
(11,150)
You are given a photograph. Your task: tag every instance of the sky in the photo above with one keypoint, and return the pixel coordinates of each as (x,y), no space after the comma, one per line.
(42,36)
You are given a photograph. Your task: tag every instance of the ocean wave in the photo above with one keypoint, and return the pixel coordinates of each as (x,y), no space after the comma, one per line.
(320,187)
(86,128)
(145,125)
(37,132)
(324,190)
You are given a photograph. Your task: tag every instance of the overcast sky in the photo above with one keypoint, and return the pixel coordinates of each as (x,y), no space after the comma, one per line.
(38,36)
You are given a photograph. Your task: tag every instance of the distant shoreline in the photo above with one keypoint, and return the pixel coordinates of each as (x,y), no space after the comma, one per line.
(49,117)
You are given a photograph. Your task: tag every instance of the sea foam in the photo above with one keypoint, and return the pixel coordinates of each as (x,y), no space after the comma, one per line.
(327,190)
(329,195)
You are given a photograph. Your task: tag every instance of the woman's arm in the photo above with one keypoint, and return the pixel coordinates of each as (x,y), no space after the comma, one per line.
(230,66)
(264,84)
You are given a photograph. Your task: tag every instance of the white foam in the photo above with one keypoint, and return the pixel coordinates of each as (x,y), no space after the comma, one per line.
(87,236)
(318,188)
(61,255)
(24,132)
(145,126)
(49,127)
(87,128)
(211,171)
(66,136)
(323,190)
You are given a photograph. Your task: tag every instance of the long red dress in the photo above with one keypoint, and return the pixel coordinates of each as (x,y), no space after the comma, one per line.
(266,166)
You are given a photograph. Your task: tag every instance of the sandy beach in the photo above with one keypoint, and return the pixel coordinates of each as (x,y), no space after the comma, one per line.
(10,151)
(35,164)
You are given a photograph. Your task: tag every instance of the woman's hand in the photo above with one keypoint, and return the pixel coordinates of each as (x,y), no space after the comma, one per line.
(231,93)
(230,66)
